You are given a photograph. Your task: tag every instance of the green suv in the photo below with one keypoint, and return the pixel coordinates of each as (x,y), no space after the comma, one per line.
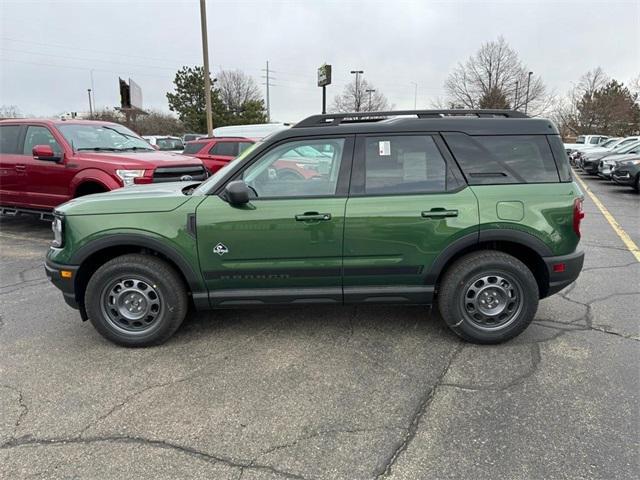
(473,210)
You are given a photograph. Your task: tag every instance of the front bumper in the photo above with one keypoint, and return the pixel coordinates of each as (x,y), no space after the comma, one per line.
(622,177)
(65,285)
(572,266)
(590,166)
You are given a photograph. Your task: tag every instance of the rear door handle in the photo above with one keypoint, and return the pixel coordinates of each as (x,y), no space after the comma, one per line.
(439,213)
(313,216)
(21,168)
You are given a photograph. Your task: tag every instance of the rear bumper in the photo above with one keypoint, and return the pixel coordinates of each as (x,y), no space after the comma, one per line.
(572,266)
(65,285)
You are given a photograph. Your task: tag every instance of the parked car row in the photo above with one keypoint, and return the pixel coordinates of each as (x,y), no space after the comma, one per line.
(616,159)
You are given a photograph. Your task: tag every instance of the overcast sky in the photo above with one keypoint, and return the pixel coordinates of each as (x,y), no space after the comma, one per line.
(48,48)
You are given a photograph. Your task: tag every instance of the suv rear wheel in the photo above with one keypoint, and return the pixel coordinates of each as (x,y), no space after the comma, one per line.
(488,297)
(136,300)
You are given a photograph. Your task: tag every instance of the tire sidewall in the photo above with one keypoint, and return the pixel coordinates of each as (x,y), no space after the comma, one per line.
(171,304)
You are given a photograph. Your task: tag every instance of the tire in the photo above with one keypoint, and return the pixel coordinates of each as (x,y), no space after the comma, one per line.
(636,185)
(488,297)
(136,300)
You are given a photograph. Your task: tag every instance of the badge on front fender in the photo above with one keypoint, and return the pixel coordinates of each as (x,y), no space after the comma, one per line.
(220,249)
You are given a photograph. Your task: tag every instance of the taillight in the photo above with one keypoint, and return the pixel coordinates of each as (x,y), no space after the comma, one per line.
(578,215)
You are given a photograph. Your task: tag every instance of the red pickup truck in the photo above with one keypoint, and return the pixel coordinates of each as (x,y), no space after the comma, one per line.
(44,163)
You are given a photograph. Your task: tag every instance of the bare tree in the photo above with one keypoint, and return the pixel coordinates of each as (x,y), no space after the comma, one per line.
(360,97)
(10,111)
(494,77)
(236,89)
(568,115)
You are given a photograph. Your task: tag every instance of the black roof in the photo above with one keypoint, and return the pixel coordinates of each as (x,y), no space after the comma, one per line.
(471,122)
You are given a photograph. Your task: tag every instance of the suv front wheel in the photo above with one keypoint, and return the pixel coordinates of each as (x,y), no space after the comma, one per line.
(488,297)
(136,300)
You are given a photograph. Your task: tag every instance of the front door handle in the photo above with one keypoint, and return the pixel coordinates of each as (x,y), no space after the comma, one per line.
(20,167)
(439,213)
(307,216)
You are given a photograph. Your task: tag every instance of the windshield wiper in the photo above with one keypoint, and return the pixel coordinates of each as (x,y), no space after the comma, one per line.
(100,149)
(137,148)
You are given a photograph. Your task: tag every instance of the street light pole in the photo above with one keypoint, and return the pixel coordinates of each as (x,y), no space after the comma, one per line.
(370,91)
(526,102)
(205,56)
(515,102)
(90,106)
(357,74)
(415,94)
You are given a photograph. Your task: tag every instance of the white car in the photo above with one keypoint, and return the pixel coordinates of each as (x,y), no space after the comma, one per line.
(165,143)
(256,131)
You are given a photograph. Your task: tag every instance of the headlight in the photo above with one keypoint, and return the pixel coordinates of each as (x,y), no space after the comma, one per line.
(128,176)
(634,162)
(57,226)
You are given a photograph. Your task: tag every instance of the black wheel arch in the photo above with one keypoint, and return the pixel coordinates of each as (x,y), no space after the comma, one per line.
(522,245)
(95,253)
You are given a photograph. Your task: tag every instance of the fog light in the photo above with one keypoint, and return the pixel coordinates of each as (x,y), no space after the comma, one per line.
(559,267)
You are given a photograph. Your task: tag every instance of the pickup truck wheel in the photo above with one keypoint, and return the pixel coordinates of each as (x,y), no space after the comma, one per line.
(136,300)
(488,297)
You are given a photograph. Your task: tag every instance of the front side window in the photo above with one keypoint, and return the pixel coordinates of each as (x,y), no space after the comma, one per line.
(403,164)
(303,168)
(499,159)
(40,136)
(226,149)
(109,137)
(9,138)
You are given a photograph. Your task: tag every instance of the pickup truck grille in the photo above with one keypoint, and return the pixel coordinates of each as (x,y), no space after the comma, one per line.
(176,174)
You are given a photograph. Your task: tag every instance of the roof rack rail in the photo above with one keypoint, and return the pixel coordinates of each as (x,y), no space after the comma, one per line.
(333,119)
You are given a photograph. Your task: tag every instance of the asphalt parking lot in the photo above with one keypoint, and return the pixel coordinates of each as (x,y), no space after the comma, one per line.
(351,392)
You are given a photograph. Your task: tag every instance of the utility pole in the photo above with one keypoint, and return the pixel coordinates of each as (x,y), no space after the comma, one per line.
(90,107)
(370,91)
(267,82)
(415,95)
(357,74)
(526,102)
(93,90)
(205,57)
(515,102)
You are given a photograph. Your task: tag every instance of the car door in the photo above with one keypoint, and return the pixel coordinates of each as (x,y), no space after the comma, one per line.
(48,181)
(285,246)
(12,170)
(407,203)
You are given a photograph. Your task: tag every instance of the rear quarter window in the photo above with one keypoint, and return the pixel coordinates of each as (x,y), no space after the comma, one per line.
(503,159)
(193,147)
(9,139)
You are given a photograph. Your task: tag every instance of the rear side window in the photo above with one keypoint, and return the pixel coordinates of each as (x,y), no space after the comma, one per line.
(403,164)
(242,146)
(9,139)
(193,147)
(560,155)
(228,149)
(503,159)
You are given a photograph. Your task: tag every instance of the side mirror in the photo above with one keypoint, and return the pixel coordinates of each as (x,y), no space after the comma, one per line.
(155,147)
(45,152)
(237,192)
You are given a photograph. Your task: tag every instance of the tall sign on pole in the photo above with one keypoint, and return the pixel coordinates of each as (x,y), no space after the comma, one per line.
(324,79)
(205,55)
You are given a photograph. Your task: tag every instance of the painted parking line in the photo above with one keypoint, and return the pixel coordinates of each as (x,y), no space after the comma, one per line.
(624,236)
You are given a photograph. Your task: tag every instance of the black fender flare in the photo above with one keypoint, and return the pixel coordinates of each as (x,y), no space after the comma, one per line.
(193,278)
(488,235)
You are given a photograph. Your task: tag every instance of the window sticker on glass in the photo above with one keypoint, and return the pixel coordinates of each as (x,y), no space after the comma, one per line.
(384,147)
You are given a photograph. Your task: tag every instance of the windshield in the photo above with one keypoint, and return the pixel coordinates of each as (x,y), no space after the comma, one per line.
(628,148)
(625,143)
(212,180)
(169,144)
(580,139)
(110,137)
(609,143)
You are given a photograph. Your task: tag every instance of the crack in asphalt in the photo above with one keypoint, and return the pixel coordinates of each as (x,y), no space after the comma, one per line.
(609,267)
(414,423)
(190,451)
(536,358)
(609,247)
(23,407)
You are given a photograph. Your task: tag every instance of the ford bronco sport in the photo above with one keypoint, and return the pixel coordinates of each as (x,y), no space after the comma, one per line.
(473,210)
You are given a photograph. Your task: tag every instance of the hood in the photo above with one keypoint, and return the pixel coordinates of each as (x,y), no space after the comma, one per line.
(134,160)
(158,197)
(619,157)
